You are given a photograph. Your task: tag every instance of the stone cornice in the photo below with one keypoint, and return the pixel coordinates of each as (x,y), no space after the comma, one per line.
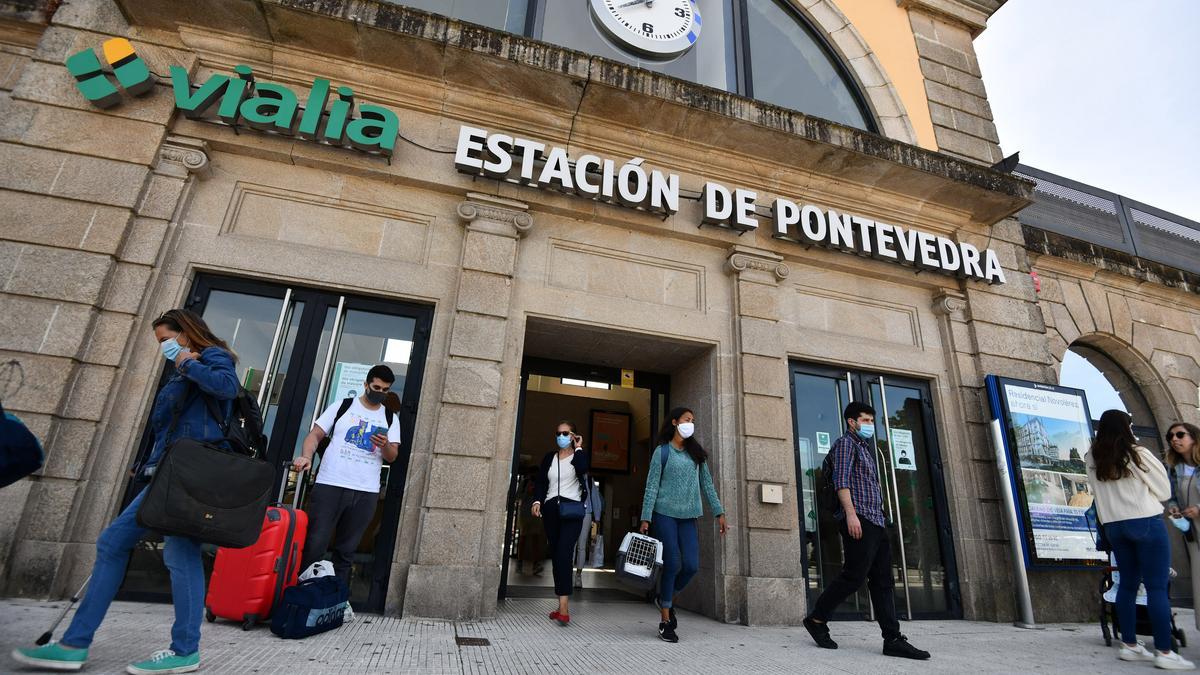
(971,13)
(542,86)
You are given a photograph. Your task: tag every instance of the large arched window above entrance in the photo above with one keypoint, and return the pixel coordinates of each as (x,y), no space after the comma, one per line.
(1108,386)
(764,49)
(789,65)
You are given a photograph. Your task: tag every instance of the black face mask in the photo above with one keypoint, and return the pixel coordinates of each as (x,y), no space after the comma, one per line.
(376,397)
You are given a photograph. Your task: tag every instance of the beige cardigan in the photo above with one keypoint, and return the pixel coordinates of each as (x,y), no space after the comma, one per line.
(1139,495)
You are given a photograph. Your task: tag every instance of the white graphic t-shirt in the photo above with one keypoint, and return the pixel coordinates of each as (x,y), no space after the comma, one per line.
(351,461)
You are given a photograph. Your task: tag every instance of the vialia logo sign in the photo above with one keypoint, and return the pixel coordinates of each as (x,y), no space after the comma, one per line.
(240,99)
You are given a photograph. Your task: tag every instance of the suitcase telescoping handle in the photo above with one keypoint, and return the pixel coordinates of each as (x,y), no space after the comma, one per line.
(288,469)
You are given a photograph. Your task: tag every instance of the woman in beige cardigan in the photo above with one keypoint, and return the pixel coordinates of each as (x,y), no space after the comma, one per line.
(1183,460)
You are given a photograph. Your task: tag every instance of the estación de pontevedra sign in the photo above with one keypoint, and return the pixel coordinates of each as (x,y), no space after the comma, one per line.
(241,99)
(539,165)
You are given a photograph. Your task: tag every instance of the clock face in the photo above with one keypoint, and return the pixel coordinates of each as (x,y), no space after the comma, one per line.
(656,28)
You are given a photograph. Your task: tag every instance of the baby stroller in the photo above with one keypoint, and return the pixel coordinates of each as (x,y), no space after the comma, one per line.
(1108,609)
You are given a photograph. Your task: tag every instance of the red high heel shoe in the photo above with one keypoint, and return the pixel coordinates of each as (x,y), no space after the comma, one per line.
(562,619)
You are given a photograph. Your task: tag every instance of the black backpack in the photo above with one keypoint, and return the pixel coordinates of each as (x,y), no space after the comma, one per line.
(243,428)
(346,403)
(827,497)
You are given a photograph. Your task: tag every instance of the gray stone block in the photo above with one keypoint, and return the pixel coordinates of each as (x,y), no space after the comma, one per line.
(443,592)
(775,602)
(458,482)
(466,430)
(775,553)
(62,223)
(489,253)
(478,337)
(484,293)
(470,382)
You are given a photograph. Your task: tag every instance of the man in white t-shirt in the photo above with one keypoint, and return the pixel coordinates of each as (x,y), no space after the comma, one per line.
(362,435)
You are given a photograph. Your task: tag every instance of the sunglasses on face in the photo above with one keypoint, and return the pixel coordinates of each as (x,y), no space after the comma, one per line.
(563,433)
(1178,434)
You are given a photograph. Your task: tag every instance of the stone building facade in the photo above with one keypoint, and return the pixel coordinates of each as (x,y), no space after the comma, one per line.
(112,216)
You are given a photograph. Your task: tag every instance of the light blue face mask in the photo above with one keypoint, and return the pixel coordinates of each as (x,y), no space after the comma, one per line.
(563,441)
(170,348)
(866,431)
(1182,523)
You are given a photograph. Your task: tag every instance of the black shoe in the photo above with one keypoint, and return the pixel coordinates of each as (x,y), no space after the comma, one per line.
(674,622)
(820,633)
(900,647)
(666,633)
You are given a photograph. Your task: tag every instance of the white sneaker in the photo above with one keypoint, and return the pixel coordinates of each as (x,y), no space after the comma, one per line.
(1138,653)
(1172,661)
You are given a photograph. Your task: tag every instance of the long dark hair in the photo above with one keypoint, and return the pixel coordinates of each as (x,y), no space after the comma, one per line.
(691,445)
(1113,448)
(191,325)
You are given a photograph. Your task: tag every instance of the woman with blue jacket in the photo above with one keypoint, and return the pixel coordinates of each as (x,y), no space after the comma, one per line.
(203,366)
(561,489)
(678,474)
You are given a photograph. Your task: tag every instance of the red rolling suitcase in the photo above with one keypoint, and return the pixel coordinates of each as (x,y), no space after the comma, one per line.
(246,583)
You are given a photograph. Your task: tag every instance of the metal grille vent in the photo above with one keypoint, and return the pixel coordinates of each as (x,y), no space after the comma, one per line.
(1170,227)
(471,641)
(1070,194)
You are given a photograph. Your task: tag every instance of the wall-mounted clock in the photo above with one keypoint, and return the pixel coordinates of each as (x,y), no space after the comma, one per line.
(660,29)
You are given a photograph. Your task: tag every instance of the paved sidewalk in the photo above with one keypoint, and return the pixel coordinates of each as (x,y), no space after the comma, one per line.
(602,637)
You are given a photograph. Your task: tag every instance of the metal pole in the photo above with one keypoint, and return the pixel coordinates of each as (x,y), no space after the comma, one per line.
(887,425)
(1020,581)
(334,340)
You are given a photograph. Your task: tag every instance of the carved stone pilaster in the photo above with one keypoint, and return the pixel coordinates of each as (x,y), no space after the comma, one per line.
(495,215)
(752,262)
(950,304)
(181,156)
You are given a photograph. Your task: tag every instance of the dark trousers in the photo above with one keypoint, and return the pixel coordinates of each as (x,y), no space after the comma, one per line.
(347,511)
(868,559)
(1143,554)
(562,535)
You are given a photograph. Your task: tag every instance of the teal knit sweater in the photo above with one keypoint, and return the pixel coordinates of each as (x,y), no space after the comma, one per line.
(675,490)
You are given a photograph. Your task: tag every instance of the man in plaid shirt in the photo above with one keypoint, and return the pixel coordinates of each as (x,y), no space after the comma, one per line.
(867,551)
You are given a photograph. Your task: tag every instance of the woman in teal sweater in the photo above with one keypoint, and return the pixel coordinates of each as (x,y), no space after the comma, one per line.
(678,474)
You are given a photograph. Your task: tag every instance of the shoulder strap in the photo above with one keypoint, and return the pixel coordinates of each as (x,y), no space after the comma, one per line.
(346,403)
(664,455)
(390,416)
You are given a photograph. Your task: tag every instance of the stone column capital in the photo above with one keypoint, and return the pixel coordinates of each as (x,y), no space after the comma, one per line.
(179,157)
(495,215)
(950,303)
(757,264)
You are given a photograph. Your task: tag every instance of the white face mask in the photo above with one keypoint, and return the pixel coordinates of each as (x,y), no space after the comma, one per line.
(686,429)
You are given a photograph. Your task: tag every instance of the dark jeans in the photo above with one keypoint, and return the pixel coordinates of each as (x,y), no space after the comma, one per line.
(681,554)
(1143,554)
(868,559)
(562,535)
(347,511)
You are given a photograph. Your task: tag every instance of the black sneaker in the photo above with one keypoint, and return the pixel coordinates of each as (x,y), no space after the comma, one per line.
(666,633)
(820,633)
(899,647)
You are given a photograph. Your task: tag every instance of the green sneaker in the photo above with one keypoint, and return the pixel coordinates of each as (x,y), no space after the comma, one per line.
(165,661)
(51,657)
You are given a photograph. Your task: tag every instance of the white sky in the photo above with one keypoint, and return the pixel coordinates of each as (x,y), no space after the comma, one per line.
(1103,92)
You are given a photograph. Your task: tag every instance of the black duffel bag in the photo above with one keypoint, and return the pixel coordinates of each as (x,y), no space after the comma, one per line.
(206,492)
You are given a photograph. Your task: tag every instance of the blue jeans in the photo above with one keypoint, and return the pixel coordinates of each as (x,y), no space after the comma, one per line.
(681,554)
(182,556)
(1143,557)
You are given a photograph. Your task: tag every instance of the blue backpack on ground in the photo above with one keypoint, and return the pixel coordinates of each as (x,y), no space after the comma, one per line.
(311,607)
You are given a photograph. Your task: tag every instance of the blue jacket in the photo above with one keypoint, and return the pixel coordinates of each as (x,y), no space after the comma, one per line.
(213,374)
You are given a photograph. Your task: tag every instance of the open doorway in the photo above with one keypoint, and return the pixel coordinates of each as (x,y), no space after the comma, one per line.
(617,413)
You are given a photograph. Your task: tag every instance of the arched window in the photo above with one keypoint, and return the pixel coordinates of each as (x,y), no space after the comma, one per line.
(764,49)
(789,65)
(1108,386)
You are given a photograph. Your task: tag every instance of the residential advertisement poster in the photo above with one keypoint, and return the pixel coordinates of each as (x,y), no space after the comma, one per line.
(1048,430)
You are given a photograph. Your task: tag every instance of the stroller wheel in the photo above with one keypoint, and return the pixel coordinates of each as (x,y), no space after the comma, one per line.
(1107,642)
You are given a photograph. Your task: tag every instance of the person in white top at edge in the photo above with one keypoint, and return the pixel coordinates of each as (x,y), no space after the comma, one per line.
(347,485)
(1130,485)
(562,487)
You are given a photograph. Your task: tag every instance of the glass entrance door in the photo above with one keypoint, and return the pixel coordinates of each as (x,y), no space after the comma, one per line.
(910,474)
(300,350)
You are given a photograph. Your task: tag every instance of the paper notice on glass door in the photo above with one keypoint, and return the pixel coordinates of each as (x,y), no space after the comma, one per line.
(904,455)
(822,442)
(348,380)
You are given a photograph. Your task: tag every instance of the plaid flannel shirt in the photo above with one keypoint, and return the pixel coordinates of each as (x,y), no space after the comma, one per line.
(854,469)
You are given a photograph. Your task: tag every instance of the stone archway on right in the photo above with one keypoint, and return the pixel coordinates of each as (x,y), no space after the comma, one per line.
(1091,363)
